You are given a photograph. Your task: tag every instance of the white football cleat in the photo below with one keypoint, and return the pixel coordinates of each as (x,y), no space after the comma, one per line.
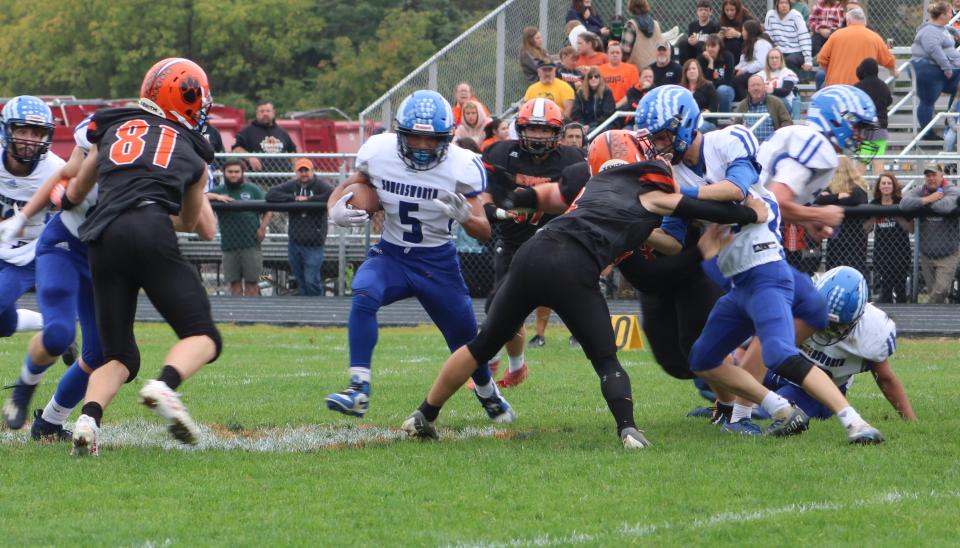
(85,434)
(165,402)
(633,439)
(861,433)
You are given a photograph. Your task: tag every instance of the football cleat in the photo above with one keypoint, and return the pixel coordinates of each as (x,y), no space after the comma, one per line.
(537,341)
(417,426)
(862,433)
(514,378)
(353,400)
(15,409)
(788,422)
(633,438)
(44,431)
(745,427)
(497,408)
(85,434)
(71,354)
(165,402)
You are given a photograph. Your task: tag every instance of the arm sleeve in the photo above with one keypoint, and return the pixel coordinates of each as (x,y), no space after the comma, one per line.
(949,202)
(241,141)
(911,201)
(786,88)
(281,193)
(743,173)
(826,199)
(321,191)
(718,212)
(713,101)
(675,227)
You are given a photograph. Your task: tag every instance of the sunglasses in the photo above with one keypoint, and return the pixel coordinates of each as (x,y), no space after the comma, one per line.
(594,77)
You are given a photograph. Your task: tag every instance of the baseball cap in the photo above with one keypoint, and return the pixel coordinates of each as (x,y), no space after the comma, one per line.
(932,167)
(541,63)
(302,163)
(663,44)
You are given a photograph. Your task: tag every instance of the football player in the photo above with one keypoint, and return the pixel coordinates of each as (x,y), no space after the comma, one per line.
(615,212)
(535,158)
(64,293)
(150,163)
(424,185)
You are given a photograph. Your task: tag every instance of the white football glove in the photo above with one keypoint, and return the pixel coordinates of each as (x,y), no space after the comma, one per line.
(343,215)
(11,228)
(454,205)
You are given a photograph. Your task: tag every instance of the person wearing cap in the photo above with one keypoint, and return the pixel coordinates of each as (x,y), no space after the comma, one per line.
(549,87)
(939,236)
(307,230)
(665,69)
(240,231)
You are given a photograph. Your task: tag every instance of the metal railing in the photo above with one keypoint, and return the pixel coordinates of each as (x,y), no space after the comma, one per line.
(761,118)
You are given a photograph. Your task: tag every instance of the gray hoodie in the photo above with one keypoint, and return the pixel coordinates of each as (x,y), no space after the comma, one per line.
(935,44)
(939,236)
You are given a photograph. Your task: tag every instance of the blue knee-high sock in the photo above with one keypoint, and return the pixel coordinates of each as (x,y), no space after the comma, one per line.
(72,386)
(31,372)
(362,326)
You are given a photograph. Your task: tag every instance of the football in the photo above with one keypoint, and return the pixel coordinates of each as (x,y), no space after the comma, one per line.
(364,197)
(57,192)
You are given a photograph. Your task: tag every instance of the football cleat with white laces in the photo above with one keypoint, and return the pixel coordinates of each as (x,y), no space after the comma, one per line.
(633,438)
(417,426)
(85,434)
(862,433)
(353,400)
(165,402)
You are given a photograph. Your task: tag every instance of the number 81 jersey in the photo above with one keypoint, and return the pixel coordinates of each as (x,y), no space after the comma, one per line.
(411,217)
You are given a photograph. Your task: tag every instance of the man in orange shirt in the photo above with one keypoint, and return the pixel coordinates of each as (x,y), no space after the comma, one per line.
(618,75)
(848,47)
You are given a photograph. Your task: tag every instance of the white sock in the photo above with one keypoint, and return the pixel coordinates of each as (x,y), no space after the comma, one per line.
(54,413)
(773,402)
(741,412)
(363,373)
(848,416)
(487,390)
(28,320)
(516,363)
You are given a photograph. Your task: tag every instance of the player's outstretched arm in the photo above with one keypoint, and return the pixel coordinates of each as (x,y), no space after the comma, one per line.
(82,184)
(477,226)
(893,390)
(661,203)
(792,212)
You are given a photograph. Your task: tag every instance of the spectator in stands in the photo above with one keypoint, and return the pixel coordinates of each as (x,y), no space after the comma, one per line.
(240,231)
(665,69)
(635,94)
(939,236)
(697,31)
(461,94)
(801,7)
(950,135)
(848,245)
(935,61)
(848,47)
(732,17)
(758,101)
(567,71)
(703,92)
(879,92)
(825,18)
(307,230)
(549,87)
(573,29)
(781,82)
(594,102)
(589,52)
(582,10)
(790,34)
(756,45)
(717,64)
(617,75)
(641,33)
(575,136)
(496,130)
(472,123)
(892,255)
(532,52)
(265,136)
(800,250)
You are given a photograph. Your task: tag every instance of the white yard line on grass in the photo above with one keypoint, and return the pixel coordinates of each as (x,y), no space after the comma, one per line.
(288,439)
(633,530)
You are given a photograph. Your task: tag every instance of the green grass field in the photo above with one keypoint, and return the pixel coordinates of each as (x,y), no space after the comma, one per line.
(276,468)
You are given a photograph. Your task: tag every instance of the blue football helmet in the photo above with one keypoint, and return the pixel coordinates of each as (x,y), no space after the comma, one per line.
(670,108)
(838,111)
(845,291)
(26,110)
(425,113)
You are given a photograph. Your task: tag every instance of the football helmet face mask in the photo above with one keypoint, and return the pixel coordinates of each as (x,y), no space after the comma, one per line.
(26,111)
(843,113)
(424,127)
(177,89)
(845,291)
(673,111)
(543,115)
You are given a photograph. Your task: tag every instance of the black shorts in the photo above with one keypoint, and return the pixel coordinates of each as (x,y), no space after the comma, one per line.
(139,250)
(555,271)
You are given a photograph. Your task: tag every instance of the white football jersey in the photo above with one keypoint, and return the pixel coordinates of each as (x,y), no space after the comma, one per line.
(754,244)
(799,157)
(411,217)
(719,149)
(73,218)
(873,340)
(15,192)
